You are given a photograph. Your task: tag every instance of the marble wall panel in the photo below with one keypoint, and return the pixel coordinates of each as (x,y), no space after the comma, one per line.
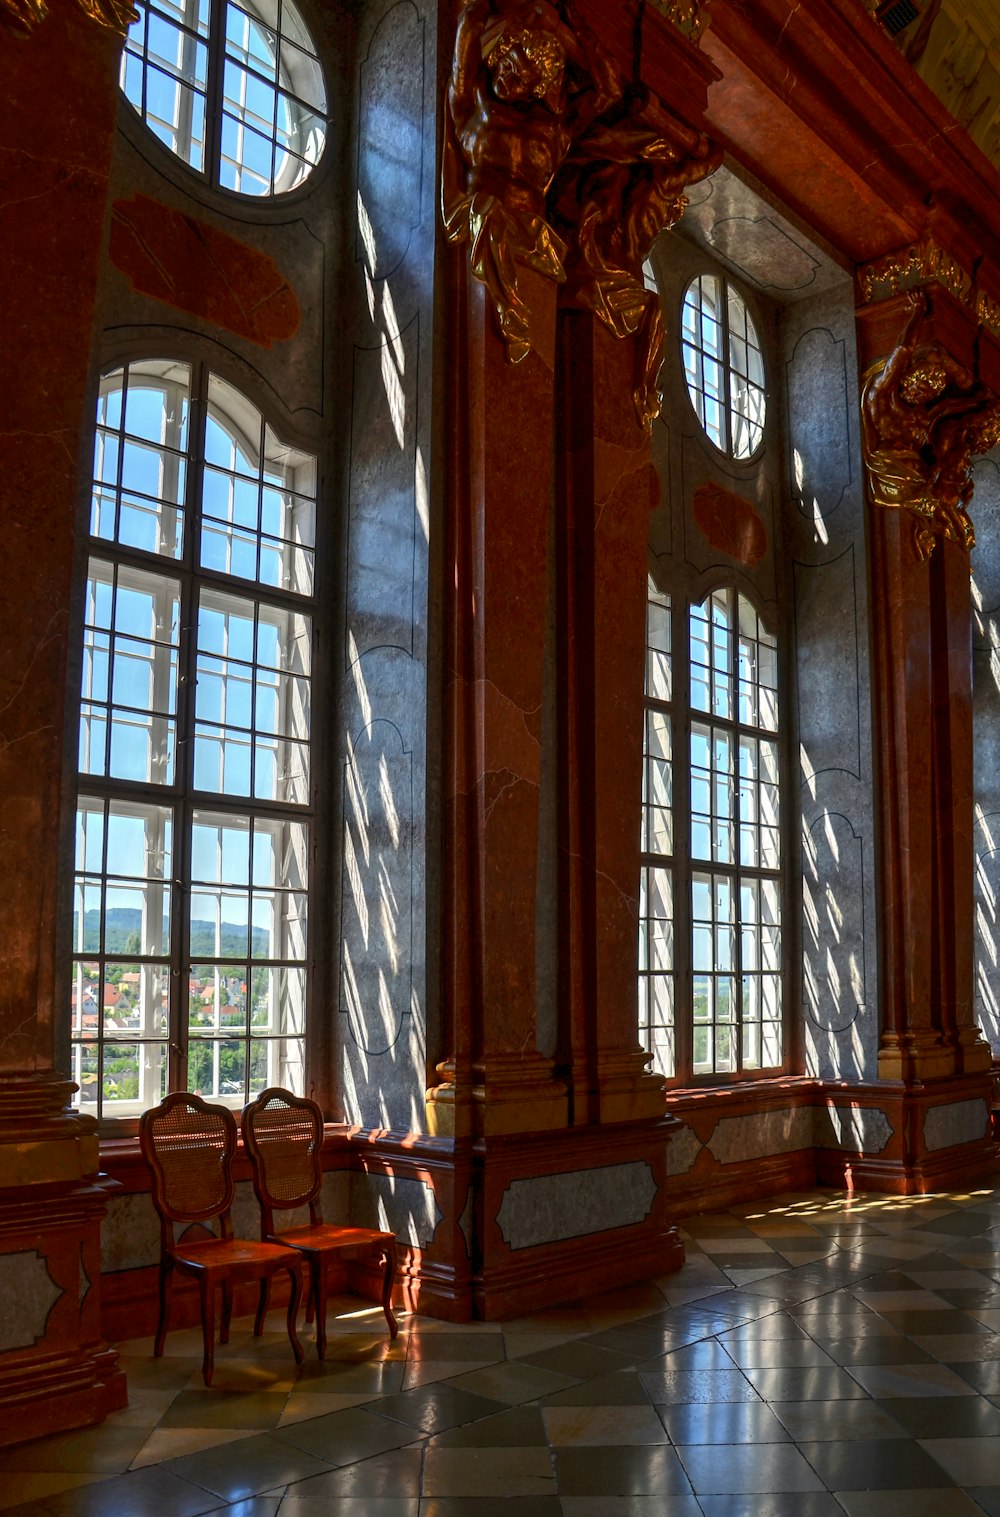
(549,1208)
(761,1133)
(397,1204)
(985,510)
(859,1129)
(379,1036)
(957,1122)
(682,1151)
(28,1293)
(826,527)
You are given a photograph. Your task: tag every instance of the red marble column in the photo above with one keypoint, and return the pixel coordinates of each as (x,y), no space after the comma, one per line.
(921,634)
(495,1080)
(609,488)
(56,131)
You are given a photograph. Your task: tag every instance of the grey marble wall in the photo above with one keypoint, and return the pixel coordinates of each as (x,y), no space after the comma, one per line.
(985,509)
(825,526)
(380,739)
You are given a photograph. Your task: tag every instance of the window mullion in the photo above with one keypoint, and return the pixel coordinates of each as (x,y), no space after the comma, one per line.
(683,982)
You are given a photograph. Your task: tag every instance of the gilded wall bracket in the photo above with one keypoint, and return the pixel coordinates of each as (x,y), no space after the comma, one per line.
(553,162)
(924,419)
(20,17)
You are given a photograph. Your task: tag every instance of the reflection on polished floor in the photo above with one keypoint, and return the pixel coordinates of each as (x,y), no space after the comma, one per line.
(816,1355)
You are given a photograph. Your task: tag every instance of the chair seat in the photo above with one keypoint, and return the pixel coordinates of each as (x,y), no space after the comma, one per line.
(326,1238)
(232,1255)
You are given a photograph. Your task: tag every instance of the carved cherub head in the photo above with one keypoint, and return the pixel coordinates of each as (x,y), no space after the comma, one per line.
(924,382)
(526,64)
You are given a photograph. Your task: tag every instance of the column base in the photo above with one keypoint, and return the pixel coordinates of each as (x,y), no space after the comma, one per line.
(508,1093)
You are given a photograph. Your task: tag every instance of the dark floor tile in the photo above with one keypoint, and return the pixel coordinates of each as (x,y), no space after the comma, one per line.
(708,1354)
(723,1469)
(803,1384)
(836,1421)
(988,1497)
(880,1464)
(623,1389)
(454,1348)
(723,1422)
(435,1407)
(934,1320)
(775,1504)
(393,1474)
(967,1461)
(876,1349)
(342,1437)
(490,1506)
(248,1467)
(945,1416)
(985,1377)
(218,1408)
(517,1427)
(583,1361)
(962,1224)
(154,1492)
(641,1470)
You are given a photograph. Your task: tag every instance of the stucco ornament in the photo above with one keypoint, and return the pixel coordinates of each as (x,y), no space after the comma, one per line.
(924,418)
(22,16)
(553,162)
(689,16)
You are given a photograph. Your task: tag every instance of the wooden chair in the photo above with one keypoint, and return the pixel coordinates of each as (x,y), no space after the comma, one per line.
(283,1135)
(189,1146)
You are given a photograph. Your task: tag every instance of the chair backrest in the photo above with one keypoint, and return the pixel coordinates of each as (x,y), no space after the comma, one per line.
(189,1147)
(283,1135)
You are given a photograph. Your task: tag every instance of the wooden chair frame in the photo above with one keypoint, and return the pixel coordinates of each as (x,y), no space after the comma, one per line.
(189,1146)
(283,1136)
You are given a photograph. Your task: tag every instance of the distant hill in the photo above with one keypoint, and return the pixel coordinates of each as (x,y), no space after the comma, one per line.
(124,923)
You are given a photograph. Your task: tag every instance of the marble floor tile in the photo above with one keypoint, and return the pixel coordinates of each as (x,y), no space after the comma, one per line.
(861,1464)
(953,1503)
(433,1408)
(21,1488)
(248,1467)
(946,1416)
(512,1382)
(969,1461)
(724,1422)
(649,1470)
(673,1386)
(488,1472)
(394,1473)
(592,1425)
(171,1443)
(747,1468)
(629,1506)
(885,1381)
(772,1504)
(824,1421)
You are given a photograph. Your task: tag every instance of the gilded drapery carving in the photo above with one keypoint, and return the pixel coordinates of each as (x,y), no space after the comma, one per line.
(22,16)
(924,419)
(553,162)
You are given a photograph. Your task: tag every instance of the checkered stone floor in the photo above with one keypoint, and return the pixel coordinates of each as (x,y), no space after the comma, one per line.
(817,1355)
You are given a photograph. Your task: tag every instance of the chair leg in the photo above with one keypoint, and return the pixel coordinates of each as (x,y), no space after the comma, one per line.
(207,1290)
(166,1279)
(318,1294)
(227,1310)
(265,1291)
(295,1272)
(389,1279)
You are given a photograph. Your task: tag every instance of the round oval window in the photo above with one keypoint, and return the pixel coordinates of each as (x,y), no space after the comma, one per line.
(236,91)
(723,365)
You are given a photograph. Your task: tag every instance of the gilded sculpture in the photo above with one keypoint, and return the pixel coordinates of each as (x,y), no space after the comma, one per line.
(689,16)
(924,418)
(552,163)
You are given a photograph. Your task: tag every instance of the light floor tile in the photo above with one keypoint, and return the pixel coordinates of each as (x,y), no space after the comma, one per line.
(615,1425)
(172,1442)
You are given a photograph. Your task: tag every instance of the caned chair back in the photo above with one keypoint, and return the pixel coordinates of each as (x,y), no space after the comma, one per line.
(189,1147)
(283,1135)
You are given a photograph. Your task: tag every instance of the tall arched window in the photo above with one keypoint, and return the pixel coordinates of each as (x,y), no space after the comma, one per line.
(710,962)
(195,790)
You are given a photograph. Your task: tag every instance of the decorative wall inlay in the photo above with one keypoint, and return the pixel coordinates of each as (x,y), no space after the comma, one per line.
(194,267)
(856,1129)
(682,1151)
(549,1208)
(376,901)
(923,419)
(22,16)
(396,1203)
(467,1221)
(819,452)
(730,523)
(762,250)
(390,140)
(28,1293)
(85,1280)
(960,1122)
(833,922)
(553,163)
(760,1134)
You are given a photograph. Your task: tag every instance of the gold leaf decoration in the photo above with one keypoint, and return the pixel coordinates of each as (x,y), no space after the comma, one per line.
(20,17)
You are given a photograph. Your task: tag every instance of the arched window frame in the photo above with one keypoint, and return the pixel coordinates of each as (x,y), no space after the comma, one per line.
(189,831)
(713,925)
